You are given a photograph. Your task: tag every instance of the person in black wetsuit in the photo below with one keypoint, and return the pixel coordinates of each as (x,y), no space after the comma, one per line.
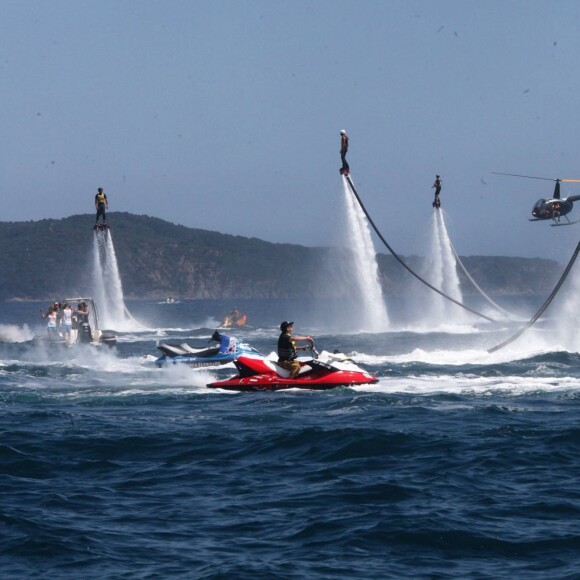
(287,348)
(84,328)
(437,186)
(345,169)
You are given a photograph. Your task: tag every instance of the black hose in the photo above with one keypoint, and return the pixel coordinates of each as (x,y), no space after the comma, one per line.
(544,305)
(475,285)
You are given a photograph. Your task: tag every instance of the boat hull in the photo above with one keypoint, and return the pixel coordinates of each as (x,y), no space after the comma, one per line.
(276,383)
(196,362)
(200,357)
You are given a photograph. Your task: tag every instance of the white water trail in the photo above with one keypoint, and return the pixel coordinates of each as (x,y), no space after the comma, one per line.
(109,296)
(371,312)
(442,273)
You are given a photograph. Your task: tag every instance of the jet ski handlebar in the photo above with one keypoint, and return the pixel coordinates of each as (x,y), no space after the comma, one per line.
(312,348)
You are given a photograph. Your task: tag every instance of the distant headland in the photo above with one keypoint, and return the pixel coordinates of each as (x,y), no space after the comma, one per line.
(47,258)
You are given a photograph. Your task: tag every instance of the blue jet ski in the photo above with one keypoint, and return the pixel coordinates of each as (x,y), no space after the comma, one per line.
(228,351)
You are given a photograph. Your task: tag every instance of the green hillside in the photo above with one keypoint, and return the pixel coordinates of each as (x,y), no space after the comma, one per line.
(47,258)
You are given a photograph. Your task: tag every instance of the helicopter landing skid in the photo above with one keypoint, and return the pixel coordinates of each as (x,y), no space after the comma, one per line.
(564,224)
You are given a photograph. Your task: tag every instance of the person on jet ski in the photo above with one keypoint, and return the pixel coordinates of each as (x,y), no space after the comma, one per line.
(227,343)
(287,348)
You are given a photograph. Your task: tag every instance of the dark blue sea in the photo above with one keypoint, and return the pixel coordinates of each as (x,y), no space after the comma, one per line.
(457,464)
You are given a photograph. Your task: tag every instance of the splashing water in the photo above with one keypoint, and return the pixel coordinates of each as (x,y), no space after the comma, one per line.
(568,314)
(108,286)
(14,333)
(371,311)
(442,273)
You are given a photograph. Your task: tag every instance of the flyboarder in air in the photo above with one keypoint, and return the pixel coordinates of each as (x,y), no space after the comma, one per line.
(437,186)
(345,169)
(101,203)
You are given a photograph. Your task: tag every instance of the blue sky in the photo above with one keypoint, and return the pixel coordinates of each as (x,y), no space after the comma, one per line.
(225,115)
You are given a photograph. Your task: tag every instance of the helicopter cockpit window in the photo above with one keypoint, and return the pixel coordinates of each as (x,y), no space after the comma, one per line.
(539,203)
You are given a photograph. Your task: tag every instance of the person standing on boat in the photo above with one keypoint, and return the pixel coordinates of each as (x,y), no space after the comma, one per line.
(85,334)
(437,186)
(66,322)
(287,348)
(101,204)
(345,169)
(51,322)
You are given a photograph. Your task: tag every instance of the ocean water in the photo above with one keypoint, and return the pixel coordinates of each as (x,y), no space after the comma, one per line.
(457,464)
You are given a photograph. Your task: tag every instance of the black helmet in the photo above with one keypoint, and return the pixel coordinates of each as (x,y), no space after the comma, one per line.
(285,325)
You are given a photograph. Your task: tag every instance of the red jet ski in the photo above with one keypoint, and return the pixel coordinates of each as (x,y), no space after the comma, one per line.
(329,370)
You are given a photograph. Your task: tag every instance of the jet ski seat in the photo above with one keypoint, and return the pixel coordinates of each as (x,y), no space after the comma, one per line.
(285,373)
(171,349)
(189,349)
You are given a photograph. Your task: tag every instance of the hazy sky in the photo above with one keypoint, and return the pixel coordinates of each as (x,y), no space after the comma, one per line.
(225,115)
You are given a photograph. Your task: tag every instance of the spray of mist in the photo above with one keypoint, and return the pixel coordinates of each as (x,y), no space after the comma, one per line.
(370,308)
(108,287)
(441,271)
(565,309)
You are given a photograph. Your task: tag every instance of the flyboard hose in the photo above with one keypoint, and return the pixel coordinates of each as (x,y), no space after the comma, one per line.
(475,283)
(402,262)
(544,305)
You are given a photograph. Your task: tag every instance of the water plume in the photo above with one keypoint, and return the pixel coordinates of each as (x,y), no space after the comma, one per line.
(371,311)
(113,312)
(441,271)
(567,313)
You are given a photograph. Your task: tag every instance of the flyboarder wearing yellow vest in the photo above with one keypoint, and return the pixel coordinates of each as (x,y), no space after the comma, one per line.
(101,204)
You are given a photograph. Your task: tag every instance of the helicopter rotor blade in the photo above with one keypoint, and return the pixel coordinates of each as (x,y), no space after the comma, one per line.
(526,176)
(534,177)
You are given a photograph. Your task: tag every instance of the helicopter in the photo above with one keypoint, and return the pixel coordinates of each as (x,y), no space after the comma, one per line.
(555,207)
